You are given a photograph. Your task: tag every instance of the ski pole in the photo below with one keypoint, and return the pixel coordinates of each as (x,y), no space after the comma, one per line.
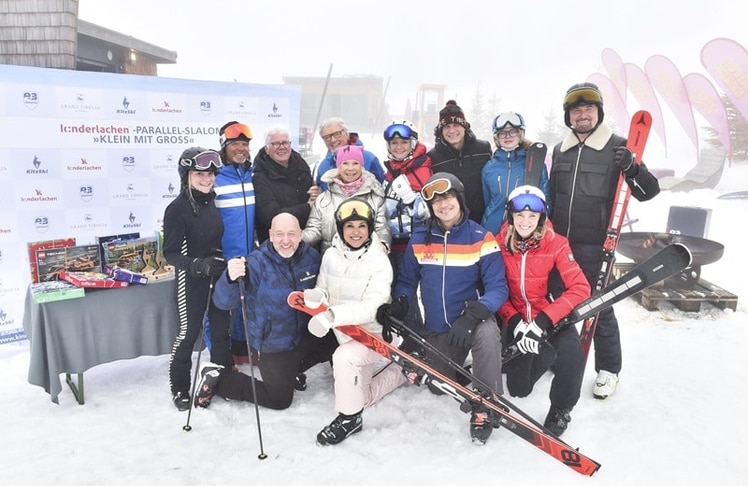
(200,340)
(245,319)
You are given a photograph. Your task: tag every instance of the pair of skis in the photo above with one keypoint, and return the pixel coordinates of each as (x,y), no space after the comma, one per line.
(641,123)
(665,263)
(505,414)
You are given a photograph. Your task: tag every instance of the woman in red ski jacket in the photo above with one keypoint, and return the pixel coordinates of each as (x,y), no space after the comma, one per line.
(531,251)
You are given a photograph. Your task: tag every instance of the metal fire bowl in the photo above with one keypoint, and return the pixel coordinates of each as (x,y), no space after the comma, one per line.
(640,246)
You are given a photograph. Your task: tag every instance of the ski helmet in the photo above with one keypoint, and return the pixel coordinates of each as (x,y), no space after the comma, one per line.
(514,120)
(442,183)
(403,129)
(583,94)
(523,198)
(198,158)
(354,209)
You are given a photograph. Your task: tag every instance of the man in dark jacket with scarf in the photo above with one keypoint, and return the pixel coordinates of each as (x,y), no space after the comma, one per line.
(584,177)
(282,181)
(458,151)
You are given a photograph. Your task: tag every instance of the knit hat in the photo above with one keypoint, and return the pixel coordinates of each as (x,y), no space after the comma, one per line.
(349,152)
(451,113)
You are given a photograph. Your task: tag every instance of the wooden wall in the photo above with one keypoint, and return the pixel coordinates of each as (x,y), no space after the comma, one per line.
(39,33)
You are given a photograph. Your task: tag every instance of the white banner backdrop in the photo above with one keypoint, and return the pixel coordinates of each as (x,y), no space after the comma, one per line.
(93,154)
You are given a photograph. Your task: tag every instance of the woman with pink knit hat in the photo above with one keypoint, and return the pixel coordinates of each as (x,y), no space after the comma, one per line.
(347,180)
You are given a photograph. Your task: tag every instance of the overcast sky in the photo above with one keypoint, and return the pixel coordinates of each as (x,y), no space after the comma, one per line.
(524,53)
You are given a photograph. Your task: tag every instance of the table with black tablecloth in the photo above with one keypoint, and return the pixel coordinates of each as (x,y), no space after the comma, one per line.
(72,336)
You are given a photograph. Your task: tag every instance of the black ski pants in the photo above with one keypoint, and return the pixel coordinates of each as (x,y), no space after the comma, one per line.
(278,372)
(563,355)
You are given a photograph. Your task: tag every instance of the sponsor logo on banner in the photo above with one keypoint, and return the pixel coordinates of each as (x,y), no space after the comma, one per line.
(171,192)
(128,162)
(88,223)
(132,222)
(37,167)
(274,112)
(80,105)
(126,110)
(5,320)
(41,224)
(30,100)
(166,107)
(130,193)
(86,193)
(206,107)
(166,164)
(83,165)
(241,109)
(39,197)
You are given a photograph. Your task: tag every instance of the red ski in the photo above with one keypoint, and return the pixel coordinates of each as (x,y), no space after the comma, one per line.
(641,123)
(518,425)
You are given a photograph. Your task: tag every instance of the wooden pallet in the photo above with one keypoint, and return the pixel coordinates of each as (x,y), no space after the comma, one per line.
(685,299)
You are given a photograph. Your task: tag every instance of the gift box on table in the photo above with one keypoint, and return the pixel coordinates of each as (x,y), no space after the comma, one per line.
(50,262)
(136,255)
(55,290)
(124,275)
(102,241)
(95,280)
(44,245)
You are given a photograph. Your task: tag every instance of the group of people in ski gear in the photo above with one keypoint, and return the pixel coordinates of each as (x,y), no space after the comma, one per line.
(458,243)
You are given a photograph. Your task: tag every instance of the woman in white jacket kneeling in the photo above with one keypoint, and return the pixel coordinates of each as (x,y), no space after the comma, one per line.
(354,280)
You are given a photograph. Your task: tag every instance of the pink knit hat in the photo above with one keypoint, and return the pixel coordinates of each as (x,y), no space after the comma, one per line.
(349,152)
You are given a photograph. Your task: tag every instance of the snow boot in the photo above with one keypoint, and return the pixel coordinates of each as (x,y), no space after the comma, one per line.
(605,385)
(340,428)
(557,420)
(210,374)
(181,400)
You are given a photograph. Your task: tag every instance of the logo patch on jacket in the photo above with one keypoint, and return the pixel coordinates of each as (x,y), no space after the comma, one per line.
(570,256)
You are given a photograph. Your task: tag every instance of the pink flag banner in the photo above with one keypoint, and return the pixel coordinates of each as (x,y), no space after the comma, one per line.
(640,87)
(726,61)
(613,104)
(706,100)
(616,72)
(666,79)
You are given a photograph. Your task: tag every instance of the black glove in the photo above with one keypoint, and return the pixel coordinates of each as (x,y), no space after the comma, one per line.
(624,159)
(206,267)
(398,309)
(513,321)
(461,332)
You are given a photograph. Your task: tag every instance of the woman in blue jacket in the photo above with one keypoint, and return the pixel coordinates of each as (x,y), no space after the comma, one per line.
(506,169)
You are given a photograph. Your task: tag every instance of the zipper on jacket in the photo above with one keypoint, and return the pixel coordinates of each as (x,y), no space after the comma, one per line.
(573,188)
(444,276)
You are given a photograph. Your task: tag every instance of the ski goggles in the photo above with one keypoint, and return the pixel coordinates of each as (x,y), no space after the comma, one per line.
(203,161)
(526,202)
(399,130)
(234,132)
(351,208)
(435,188)
(583,93)
(512,119)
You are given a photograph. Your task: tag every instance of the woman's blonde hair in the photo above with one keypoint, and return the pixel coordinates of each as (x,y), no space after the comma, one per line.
(512,236)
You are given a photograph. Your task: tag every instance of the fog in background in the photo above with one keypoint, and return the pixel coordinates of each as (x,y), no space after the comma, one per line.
(518,56)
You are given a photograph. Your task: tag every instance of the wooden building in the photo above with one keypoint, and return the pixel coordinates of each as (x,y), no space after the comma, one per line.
(49,34)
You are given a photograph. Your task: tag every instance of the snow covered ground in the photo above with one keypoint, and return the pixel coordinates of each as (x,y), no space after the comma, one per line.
(675,418)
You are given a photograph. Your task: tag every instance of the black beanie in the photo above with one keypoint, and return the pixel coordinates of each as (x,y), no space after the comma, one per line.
(451,113)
